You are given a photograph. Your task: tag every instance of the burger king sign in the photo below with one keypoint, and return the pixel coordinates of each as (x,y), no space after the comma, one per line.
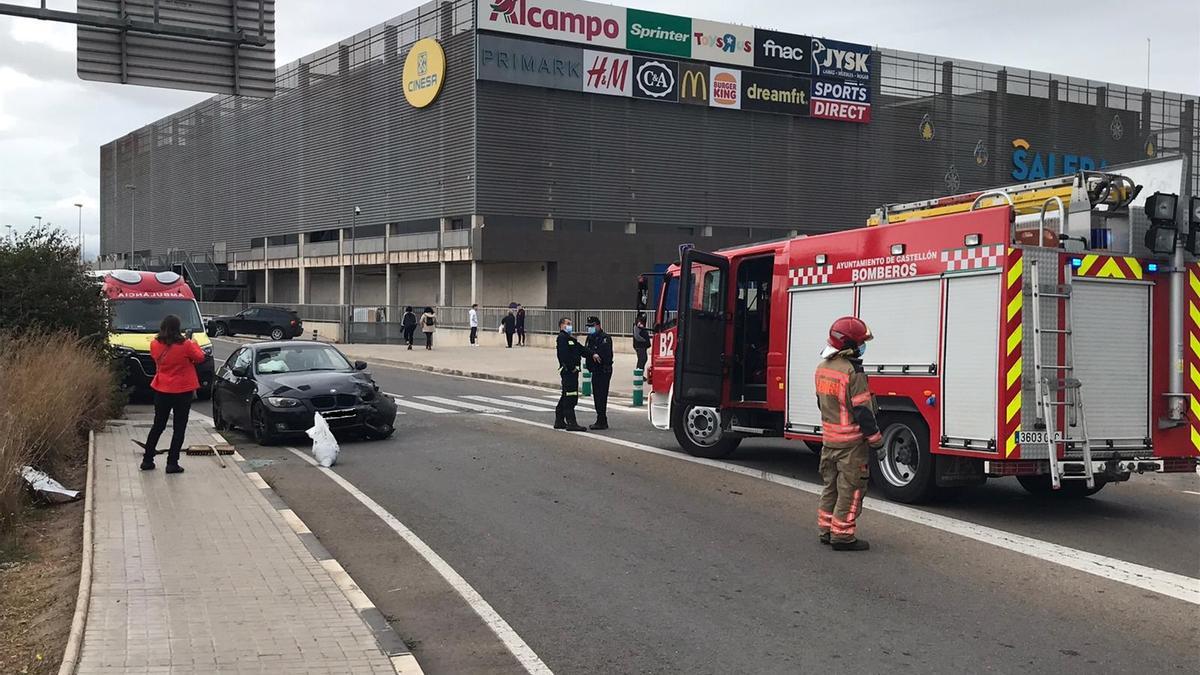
(725,88)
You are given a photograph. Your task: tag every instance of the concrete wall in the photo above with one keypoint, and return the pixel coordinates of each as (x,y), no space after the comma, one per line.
(322,286)
(416,285)
(285,287)
(502,283)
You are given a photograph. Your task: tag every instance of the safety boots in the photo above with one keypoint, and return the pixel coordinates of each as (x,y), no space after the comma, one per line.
(856,545)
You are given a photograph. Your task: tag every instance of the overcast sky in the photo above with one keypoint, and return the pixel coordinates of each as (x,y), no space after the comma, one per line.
(52,124)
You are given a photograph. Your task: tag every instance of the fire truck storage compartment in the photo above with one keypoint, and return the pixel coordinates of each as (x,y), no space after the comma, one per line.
(969,364)
(904,317)
(1112,359)
(811,311)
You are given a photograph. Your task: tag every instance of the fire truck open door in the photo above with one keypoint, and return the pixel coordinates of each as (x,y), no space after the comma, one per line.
(700,356)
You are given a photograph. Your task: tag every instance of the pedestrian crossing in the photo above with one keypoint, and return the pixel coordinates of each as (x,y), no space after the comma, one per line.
(493,405)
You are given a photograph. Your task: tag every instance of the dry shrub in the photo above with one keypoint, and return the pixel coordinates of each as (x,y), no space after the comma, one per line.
(53,389)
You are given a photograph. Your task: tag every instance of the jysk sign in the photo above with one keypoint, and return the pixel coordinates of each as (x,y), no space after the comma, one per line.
(658,33)
(535,64)
(782,51)
(656,79)
(841,60)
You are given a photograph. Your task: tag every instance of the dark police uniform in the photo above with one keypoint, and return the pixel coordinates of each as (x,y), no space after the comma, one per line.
(601,344)
(569,352)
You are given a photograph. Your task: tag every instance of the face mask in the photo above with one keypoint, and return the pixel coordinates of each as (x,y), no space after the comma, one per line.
(568,329)
(862,349)
(591,330)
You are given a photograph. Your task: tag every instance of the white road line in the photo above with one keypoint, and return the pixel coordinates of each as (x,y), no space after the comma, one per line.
(584,402)
(462,404)
(509,637)
(1148,578)
(511,404)
(1189,492)
(420,406)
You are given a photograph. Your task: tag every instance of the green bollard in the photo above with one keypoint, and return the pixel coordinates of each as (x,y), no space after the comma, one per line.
(587,383)
(637,387)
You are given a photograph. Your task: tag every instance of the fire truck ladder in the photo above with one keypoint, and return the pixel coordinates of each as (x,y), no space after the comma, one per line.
(1055,378)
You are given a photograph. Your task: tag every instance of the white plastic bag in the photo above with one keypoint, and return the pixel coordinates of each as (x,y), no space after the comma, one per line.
(325,446)
(46,487)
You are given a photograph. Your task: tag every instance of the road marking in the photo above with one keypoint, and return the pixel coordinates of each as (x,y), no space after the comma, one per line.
(462,404)
(419,406)
(511,404)
(1148,578)
(1189,492)
(509,637)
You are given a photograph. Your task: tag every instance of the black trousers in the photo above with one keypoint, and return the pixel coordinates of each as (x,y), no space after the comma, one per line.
(641,354)
(474,333)
(565,410)
(508,337)
(520,336)
(177,406)
(429,340)
(600,384)
(408,334)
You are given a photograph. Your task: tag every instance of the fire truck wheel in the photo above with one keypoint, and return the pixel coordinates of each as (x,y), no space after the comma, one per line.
(903,467)
(698,431)
(1071,489)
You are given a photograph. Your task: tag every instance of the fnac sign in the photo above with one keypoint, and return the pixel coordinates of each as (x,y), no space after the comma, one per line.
(570,20)
(424,72)
(1029,165)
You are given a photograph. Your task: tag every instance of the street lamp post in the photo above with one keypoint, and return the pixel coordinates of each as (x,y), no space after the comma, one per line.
(80,207)
(353,255)
(131,187)
(39,221)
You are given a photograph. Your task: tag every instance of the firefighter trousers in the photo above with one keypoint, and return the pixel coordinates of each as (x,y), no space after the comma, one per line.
(844,472)
(565,410)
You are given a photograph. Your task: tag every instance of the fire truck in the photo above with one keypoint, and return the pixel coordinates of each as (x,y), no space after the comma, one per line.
(137,302)
(1041,331)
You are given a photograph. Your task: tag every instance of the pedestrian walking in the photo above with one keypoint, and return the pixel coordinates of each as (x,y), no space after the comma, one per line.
(508,325)
(175,383)
(409,324)
(520,327)
(600,343)
(849,433)
(473,322)
(641,340)
(428,324)
(569,352)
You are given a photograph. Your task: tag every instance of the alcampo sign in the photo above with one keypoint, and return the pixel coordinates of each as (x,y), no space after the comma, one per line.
(569,20)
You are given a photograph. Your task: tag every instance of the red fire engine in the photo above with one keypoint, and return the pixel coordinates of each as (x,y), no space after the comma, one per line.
(1025,331)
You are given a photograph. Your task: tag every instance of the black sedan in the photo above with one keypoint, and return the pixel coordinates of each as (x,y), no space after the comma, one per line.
(273,389)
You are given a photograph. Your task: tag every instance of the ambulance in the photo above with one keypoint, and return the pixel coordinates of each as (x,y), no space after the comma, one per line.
(137,302)
(1035,331)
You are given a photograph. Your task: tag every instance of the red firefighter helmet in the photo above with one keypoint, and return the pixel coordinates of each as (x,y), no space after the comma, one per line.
(849,332)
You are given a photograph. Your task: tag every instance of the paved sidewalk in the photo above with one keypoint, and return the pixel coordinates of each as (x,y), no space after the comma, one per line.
(526,365)
(199,573)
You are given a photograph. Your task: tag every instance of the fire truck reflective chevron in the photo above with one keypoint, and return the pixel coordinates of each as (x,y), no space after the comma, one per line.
(1109,267)
(1192,355)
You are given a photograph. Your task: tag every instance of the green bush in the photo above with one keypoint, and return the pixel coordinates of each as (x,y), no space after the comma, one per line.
(43,287)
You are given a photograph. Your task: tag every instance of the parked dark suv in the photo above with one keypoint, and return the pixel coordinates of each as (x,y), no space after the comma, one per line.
(279,323)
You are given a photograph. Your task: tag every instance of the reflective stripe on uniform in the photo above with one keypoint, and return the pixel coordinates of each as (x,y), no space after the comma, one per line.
(570,393)
(824,518)
(861,399)
(841,527)
(855,506)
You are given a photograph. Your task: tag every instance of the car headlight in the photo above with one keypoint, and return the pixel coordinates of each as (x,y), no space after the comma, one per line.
(123,352)
(282,402)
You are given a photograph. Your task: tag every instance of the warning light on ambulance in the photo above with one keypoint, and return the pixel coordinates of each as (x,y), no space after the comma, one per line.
(897,249)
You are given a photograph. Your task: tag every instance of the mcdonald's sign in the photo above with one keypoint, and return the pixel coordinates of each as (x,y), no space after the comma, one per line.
(693,83)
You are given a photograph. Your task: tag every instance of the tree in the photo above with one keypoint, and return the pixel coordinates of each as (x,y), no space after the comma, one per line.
(43,287)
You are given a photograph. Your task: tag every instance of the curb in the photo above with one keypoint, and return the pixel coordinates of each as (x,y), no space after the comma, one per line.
(83,599)
(389,642)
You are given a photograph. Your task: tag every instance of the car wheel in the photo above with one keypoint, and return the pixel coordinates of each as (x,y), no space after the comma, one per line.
(1071,489)
(220,329)
(903,467)
(219,422)
(277,333)
(698,431)
(260,426)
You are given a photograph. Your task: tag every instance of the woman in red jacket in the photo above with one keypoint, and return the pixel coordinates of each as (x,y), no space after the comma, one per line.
(174,384)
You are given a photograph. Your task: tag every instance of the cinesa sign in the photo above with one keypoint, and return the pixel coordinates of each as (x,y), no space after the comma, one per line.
(568,20)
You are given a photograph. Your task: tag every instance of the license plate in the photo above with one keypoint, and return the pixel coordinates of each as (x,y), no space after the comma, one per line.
(1037,437)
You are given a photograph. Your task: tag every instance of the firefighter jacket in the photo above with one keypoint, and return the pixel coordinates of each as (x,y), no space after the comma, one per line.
(601,344)
(569,352)
(847,406)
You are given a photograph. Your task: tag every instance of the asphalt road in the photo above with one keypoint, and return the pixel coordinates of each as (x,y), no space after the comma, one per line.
(608,558)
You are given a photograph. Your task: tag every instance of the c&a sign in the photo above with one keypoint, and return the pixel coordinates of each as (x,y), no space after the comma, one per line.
(569,20)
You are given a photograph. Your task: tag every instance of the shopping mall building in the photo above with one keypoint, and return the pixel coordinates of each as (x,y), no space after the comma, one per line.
(548,151)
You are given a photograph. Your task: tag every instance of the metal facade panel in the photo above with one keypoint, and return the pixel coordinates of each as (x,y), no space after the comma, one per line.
(810,314)
(904,317)
(1112,358)
(971,357)
(197,65)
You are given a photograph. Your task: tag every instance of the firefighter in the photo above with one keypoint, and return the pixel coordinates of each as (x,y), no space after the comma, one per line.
(569,353)
(849,433)
(602,370)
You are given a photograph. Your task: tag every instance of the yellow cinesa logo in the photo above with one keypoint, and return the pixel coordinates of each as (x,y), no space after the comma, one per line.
(424,72)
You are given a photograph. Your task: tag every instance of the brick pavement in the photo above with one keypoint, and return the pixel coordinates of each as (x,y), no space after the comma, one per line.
(199,573)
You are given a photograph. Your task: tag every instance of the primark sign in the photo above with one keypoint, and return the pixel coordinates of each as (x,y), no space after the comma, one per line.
(672,59)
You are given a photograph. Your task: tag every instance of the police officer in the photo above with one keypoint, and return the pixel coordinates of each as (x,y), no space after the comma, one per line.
(602,370)
(848,428)
(569,353)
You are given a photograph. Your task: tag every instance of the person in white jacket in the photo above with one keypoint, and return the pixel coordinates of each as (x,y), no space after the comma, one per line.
(473,318)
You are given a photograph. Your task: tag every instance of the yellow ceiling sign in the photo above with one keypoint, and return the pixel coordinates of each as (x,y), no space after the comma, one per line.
(424,72)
